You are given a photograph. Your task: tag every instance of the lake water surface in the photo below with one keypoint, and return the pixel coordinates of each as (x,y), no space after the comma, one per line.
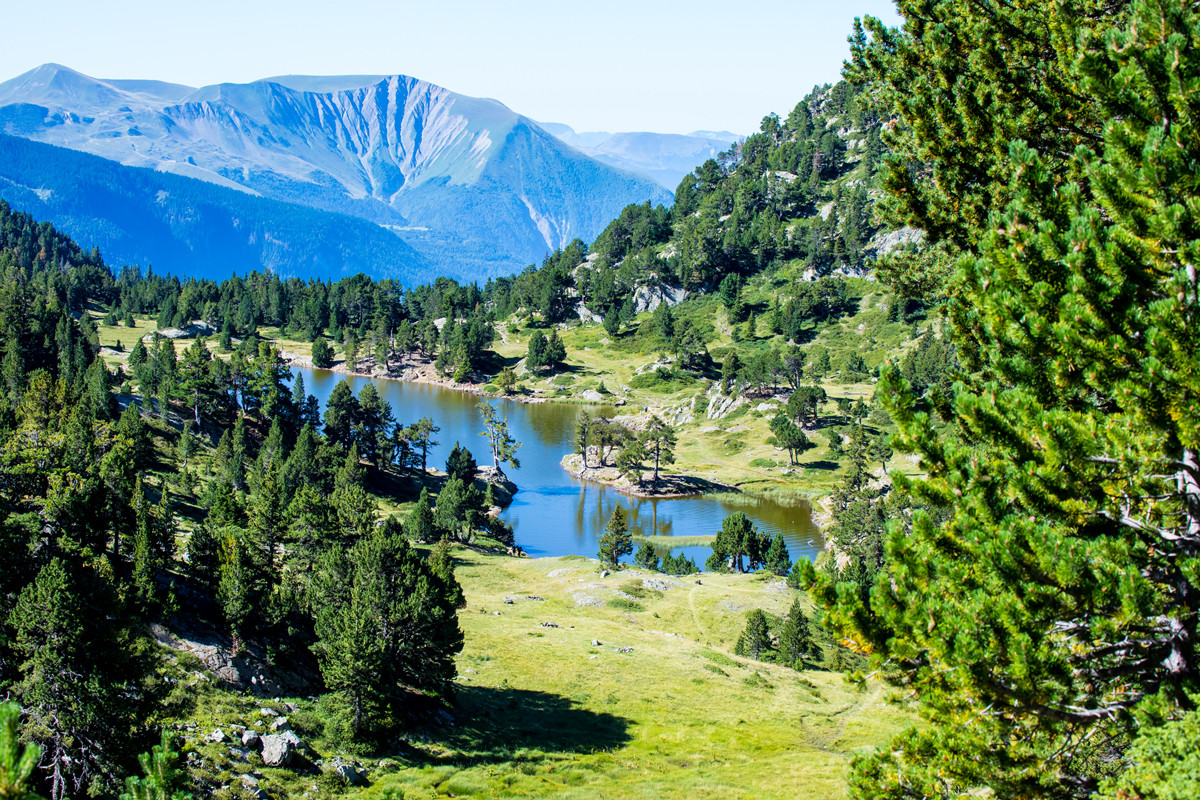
(554,514)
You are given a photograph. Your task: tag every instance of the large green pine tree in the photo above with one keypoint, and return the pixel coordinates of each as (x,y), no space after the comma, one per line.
(1055,615)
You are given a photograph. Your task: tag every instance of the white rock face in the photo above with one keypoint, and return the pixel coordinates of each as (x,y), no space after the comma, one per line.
(648,298)
(885,242)
(721,406)
(586,314)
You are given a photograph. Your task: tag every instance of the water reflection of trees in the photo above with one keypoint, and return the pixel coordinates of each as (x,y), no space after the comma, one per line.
(550,501)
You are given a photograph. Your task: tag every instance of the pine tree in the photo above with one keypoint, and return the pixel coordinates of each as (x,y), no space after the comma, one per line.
(755,641)
(342,413)
(322,353)
(630,459)
(420,525)
(658,439)
(235,581)
(375,415)
(738,539)
(441,564)
(583,433)
(776,558)
(384,622)
(535,357)
(616,541)
(162,777)
(795,638)
(1070,473)
(646,558)
(452,506)
(504,447)
(422,432)
(730,368)
(556,351)
(461,464)
(17,762)
(81,674)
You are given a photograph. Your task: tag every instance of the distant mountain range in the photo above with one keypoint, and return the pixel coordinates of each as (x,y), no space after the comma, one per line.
(185,226)
(472,188)
(665,157)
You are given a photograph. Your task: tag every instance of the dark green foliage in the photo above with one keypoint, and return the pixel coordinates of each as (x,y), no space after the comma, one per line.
(1164,764)
(1059,587)
(162,778)
(461,464)
(776,558)
(796,643)
(342,413)
(503,446)
(555,352)
(789,436)
(420,525)
(81,669)
(755,641)
(322,353)
(87,508)
(453,511)
(384,620)
(658,441)
(441,564)
(678,565)
(17,760)
(646,558)
(739,546)
(616,542)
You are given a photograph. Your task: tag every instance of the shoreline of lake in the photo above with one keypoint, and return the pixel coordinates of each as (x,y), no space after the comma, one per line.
(669,487)
(555,513)
(423,372)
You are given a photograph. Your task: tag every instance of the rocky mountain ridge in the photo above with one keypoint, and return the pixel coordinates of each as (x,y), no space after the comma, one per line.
(473,186)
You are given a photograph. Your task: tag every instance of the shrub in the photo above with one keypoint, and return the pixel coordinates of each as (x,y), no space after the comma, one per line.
(625,604)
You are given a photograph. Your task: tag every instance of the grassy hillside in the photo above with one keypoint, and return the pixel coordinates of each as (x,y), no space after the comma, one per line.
(659,707)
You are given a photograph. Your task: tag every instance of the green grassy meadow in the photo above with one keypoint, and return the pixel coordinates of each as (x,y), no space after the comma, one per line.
(660,707)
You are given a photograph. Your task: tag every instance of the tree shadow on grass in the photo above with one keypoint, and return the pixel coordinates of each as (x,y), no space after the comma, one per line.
(822,465)
(493,724)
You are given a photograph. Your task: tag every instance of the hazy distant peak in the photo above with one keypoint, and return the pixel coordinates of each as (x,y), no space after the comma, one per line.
(665,157)
(56,85)
(158,90)
(722,136)
(325,84)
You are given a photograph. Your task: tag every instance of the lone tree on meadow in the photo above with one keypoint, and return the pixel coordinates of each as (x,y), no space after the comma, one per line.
(616,541)
(755,641)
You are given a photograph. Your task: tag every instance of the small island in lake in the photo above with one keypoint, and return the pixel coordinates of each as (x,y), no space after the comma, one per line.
(666,486)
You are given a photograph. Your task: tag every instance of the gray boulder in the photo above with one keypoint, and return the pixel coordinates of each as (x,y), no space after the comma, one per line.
(278,750)
(251,740)
(352,775)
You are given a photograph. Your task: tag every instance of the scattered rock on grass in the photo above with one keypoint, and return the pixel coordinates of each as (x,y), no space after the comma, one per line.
(278,750)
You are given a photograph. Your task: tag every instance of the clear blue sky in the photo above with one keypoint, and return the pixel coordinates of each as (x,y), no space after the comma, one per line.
(657,65)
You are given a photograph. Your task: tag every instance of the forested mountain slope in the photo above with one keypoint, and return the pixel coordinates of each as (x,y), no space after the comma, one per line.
(144,217)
